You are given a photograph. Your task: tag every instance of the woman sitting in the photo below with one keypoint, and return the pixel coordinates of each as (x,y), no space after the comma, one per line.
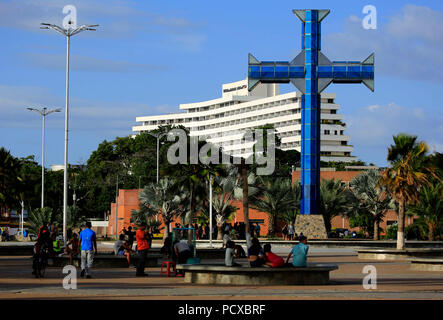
(255,253)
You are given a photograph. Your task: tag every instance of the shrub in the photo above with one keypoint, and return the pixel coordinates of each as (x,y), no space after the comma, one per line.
(391,232)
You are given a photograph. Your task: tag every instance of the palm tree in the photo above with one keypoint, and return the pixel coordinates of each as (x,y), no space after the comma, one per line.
(335,199)
(39,217)
(410,170)
(290,215)
(276,196)
(221,202)
(429,207)
(160,198)
(9,180)
(371,197)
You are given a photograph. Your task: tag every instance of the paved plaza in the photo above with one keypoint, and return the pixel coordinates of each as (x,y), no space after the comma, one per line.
(395,281)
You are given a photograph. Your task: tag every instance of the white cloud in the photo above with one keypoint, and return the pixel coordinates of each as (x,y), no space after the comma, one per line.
(117,19)
(110,117)
(371,129)
(409,45)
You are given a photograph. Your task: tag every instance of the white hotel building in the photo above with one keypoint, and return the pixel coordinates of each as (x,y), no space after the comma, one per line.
(223,121)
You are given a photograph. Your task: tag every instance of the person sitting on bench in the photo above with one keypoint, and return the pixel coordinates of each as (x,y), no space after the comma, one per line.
(230,254)
(300,252)
(271,259)
(255,253)
(182,251)
(73,247)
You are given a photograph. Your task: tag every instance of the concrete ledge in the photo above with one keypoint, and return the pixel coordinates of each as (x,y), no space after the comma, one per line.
(18,249)
(427,265)
(394,254)
(313,274)
(105,261)
(333,243)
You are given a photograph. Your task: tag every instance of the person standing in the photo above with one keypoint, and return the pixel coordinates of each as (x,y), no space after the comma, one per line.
(291,231)
(142,238)
(257,230)
(88,249)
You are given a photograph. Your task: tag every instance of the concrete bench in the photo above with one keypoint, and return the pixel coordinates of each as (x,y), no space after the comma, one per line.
(394,254)
(313,274)
(104,260)
(427,264)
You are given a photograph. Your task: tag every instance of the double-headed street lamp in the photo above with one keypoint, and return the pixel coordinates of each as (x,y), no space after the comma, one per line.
(68,33)
(44,112)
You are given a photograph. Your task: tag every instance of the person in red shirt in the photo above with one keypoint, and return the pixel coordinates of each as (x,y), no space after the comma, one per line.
(271,259)
(142,238)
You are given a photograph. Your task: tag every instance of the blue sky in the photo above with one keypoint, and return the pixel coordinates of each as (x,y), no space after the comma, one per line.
(149,56)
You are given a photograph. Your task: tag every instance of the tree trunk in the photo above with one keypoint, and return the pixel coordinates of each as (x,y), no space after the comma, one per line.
(271,227)
(191,213)
(219,233)
(431,236)
(401,226)
(166,233)
(376,234)
(244,176)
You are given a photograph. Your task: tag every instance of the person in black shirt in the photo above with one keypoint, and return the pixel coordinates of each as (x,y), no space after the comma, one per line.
(130,235)
(256,254)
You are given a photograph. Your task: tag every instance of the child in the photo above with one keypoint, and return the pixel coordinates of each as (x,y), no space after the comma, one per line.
(272,259)
(229,255)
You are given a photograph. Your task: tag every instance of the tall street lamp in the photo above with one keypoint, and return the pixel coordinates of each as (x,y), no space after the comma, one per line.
(44,112)
(68,33)
(158,136)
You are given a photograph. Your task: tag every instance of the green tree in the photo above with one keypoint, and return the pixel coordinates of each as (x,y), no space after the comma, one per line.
(221,201)
(289,216)
(276,196)
(429,207)
(160,198)
(410,170)
(335,199)
(372,197)
(39,217)
(9,180)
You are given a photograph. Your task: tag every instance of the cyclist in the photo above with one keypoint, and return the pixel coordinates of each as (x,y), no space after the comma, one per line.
(40,248)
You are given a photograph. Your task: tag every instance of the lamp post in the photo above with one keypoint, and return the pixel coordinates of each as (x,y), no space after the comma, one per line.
(158,136)
(68,33)
(210,212)
(116,208)
(44,112)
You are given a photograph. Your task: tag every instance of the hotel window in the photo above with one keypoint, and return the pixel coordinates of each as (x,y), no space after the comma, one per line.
(327,132)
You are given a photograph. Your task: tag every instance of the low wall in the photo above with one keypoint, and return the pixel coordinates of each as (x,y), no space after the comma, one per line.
(427,265)
(105,261)
(394,254)
(313,274)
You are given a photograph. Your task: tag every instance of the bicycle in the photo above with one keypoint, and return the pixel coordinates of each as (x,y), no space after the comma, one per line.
(41,262)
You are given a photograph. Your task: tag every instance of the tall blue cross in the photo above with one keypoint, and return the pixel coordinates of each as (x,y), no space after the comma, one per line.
(311,72)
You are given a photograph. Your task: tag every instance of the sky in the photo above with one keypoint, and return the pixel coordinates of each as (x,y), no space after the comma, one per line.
(147,57)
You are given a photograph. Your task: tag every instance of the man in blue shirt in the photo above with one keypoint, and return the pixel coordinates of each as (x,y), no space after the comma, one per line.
(88,247)
(300,252)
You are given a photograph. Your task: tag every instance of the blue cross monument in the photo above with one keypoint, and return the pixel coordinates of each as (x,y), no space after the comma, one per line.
(310,72)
